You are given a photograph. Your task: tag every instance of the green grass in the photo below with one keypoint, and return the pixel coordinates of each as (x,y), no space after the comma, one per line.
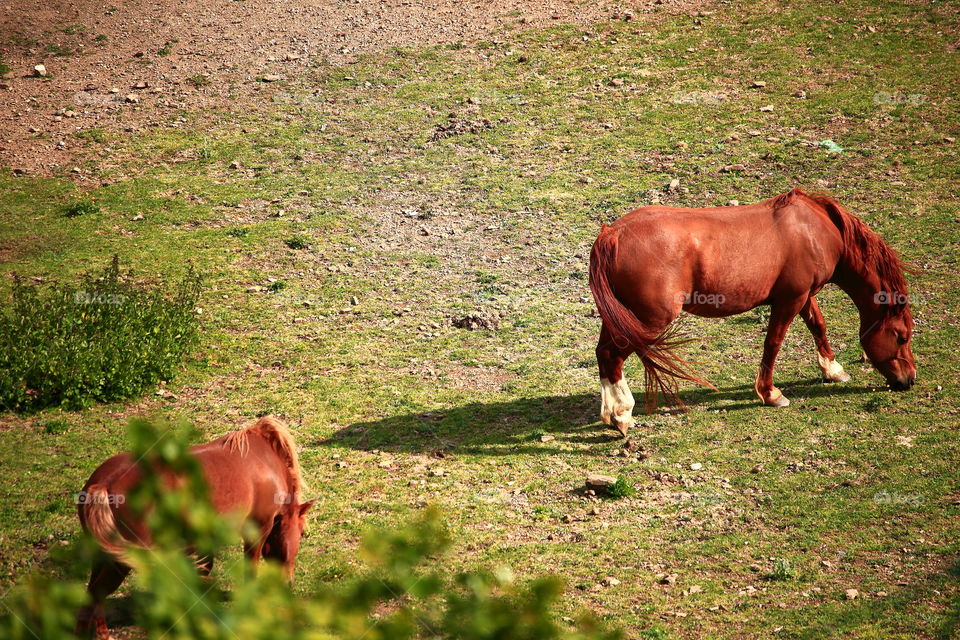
(422,231)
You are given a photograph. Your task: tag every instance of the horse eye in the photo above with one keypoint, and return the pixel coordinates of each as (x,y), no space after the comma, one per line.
(901,340)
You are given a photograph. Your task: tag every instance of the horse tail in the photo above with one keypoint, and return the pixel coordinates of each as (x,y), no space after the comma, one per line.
(100,523)
(662,367)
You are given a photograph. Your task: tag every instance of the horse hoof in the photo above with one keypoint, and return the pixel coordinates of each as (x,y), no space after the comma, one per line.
(776,399)
(843,376)
(623,426)
(780,401)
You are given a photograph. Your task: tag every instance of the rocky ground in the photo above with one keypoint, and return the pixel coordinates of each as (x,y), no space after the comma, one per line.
(139,64)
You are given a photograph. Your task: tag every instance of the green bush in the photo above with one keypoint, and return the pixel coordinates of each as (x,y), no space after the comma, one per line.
(396,597)
(84,205)
(105,338)
(622,488)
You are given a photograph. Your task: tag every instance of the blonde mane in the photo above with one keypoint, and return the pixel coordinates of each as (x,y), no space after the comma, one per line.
(278,436)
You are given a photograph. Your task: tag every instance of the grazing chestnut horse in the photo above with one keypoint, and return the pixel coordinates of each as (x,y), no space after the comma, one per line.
(656,261)
(252,473)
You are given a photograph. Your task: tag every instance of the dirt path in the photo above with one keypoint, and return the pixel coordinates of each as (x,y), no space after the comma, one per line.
(128,65)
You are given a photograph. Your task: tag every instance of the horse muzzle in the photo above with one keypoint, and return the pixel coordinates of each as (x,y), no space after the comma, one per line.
(902,384)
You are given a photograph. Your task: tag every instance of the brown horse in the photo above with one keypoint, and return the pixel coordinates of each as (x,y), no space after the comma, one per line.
(656,261)
(251,473)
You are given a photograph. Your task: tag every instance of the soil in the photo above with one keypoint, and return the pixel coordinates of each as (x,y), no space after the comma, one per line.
(125,66)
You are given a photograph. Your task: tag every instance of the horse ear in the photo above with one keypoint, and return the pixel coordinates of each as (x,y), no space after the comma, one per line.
(305,506)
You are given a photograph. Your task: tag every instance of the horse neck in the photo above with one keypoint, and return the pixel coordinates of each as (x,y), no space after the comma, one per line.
(861,284)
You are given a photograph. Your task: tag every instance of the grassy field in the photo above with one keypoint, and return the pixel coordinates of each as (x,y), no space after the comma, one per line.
(344,224)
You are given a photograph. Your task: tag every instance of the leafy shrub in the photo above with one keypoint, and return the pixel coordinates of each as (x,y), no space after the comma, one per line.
(395,598)
(103,339)
(622,488)
(298,241)
(238,232)
(782,570)
(84,205)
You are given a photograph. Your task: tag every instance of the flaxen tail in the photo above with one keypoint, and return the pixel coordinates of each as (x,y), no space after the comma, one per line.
(102,526)
(663,369)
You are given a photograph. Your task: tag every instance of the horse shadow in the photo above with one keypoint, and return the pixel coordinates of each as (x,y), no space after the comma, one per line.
(519,425)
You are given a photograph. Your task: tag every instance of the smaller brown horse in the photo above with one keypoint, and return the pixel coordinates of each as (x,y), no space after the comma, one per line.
(655,262)
(251,473)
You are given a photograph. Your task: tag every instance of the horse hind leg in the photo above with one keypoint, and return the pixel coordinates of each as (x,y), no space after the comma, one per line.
(106,576)
(616,400)
(826,359)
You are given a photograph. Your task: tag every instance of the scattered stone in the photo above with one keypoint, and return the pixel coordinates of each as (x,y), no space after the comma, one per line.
(609,581)
(758,84)
(949,140)
(757,468)
(586,180)
(40,71)
(616,82)
(234,165)
(733,203)
(141,85)
(354,300)
(696,466)
(547,438)
(692,590)
(137,217)
(437,472)
(905,441)
(667,578)
(733,167)
(800,94)
(272,77)
(114,90)
(682,145)
(457,125)
(851,594)
(674,185)
(475,321)
(131,98)
(594,511)
(767,109)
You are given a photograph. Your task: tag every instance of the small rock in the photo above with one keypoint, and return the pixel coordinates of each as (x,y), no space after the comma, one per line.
(733,203)
(40,71)
(696,466)
(609,581)
(616,82)
(598,481)
(800,94)
(114,90)
(757,468)
(131,98)
(547,438)
(758,84)
(851,594)
(586,180)
(234,165)
(667,578)
(271,77)
(354,300)
(141,85)
(137,217)
(594,511)
(949,140)
(767,109)
(437,472)
(733,167)
(674,185)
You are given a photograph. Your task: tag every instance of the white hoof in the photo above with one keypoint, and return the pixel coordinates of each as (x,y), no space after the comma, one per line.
(776,399)
(832,371)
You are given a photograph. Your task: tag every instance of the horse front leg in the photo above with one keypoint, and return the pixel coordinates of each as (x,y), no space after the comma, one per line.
(826,359)
(106,576)
(616,401)
(781,315)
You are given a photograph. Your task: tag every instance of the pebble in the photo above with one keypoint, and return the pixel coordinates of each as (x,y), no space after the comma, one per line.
(609,581)
(758,84)
(696,466)
(271,77)
(40,71)
(767,109)
(733,203)
(851,594)
(674,185)
(600,481)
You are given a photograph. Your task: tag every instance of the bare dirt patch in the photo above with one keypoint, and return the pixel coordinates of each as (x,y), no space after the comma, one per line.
(140,64)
